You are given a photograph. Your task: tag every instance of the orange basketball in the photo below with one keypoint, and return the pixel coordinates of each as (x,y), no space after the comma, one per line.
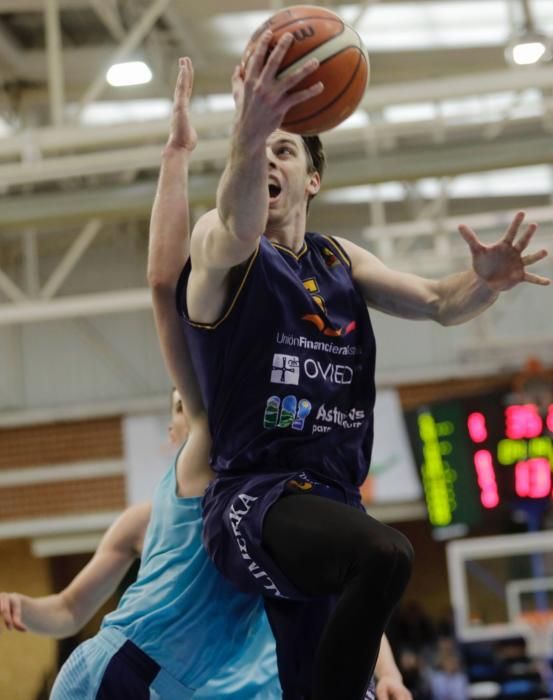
(344,65)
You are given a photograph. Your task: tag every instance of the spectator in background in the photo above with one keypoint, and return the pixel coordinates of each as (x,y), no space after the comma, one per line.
(448,681)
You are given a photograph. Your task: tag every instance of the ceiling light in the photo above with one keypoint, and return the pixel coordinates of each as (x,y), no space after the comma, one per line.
(529,52)
(528,46)
(130,73)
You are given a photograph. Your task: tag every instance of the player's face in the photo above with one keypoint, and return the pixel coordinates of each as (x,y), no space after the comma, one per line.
(290,183)
(178,427)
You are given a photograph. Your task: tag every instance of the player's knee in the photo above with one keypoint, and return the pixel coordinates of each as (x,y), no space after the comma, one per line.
(389,557)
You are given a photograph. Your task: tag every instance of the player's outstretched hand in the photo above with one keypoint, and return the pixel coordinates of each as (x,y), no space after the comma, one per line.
(390,688)
(502,264)
(262,97)
(183,135)
(10,611)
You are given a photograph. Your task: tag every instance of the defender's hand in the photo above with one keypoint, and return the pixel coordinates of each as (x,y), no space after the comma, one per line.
(10,611)
(390,688)
(183,135)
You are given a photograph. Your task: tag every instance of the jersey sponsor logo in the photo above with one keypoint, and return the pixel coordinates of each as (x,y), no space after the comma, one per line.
(313,289)
(300,341)
(299,485)
(286,413)
(237,512)
(335,374)
(286,370)
(326,329)
(330,259)
(318,321)
(327,418)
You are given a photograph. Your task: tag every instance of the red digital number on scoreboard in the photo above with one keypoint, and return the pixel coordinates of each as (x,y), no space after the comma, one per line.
(476,424)
(524,427)
(523,422)
(533,478)
(483,463)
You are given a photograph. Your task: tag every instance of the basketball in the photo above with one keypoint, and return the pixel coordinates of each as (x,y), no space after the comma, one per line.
(343,70)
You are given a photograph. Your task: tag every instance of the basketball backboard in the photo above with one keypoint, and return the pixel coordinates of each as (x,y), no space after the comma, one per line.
(502,586)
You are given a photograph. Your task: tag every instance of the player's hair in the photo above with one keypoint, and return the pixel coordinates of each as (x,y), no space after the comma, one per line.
(316,158)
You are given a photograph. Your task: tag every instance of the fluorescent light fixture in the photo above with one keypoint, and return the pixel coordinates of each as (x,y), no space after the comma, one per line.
(355,121)
(527,45)
(5,129)
(531,180)
(414,112)
(216,102)
(130,73)
(233,30)
(528,52)
(120,112)
(396,26)
(493,107)
(362,194)
(411,25)
(512,182)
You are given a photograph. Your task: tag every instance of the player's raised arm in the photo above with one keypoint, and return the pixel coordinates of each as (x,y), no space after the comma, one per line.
(228,235)
(64,614)
(456,298)
(169,247)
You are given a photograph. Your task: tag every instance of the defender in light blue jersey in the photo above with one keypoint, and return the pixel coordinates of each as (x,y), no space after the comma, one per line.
(181,630)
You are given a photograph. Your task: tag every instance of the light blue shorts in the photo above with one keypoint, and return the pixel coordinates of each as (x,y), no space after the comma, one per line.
(110,667)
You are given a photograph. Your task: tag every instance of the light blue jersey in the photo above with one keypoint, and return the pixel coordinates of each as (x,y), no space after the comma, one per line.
(207,638)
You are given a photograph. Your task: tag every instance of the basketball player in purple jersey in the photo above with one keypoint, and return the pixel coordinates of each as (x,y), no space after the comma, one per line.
(284,351)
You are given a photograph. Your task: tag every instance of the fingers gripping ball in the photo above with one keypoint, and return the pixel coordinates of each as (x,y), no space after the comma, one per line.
(343,70)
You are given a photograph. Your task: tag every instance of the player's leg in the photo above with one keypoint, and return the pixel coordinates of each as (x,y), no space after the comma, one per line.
(297,628)
(325,547)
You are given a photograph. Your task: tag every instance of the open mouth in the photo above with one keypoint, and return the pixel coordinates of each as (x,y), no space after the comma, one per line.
(274,191)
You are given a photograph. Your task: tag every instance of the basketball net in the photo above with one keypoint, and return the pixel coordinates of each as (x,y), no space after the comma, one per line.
(540,627)
(533,385)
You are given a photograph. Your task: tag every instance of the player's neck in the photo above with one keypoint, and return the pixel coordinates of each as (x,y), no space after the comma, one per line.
(289,232)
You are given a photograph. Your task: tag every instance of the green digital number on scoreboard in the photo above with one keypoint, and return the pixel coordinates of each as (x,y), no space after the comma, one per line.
(442,454)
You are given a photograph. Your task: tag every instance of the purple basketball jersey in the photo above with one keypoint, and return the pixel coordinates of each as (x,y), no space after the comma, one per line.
(287,373)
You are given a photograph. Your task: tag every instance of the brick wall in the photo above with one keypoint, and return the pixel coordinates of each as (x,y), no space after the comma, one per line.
(61,443)
(62,498)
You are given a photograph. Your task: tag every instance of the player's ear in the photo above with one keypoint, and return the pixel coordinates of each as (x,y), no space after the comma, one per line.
(314,183)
